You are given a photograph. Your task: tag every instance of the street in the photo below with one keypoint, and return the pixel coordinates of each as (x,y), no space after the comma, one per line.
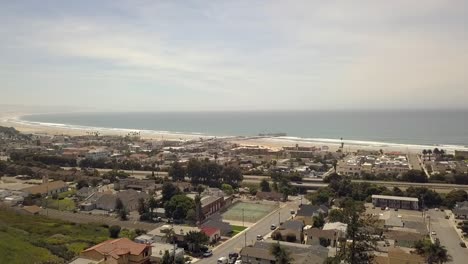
(249,236)
(447,235)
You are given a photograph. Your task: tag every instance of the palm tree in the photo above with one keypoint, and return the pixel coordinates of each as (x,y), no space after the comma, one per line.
(281,254)
(429,152)
(424,152)
(152,203)
(436,253)
(334,163)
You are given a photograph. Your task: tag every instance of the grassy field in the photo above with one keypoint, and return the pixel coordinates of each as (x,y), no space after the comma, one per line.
(237,229)
(65,204)
(250,212)
(36,239)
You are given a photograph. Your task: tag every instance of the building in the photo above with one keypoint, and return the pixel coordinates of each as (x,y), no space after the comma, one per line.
(211,204)
(129,200)
(134,184)
(461,154)
(160,248)
(47,188)
(339,228)
(410,203)
(213,233)
(160,234)
(96,154)
(289,228)
(313,235)
(260,253)
(461,210)
(119,251)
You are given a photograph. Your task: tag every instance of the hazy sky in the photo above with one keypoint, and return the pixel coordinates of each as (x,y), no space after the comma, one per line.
(234,55)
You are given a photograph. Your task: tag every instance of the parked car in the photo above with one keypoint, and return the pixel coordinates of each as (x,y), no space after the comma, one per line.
(433,233)
(239,261)
(273,227)
(462,244)
(233,255)
(207,254)
(293,212)
(222,260)
(259,237)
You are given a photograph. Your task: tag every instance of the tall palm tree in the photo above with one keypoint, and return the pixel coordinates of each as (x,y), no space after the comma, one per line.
(429,152)
(437,254)
(424,152)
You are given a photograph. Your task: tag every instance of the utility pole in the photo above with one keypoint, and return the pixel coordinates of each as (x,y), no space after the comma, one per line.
(243,225)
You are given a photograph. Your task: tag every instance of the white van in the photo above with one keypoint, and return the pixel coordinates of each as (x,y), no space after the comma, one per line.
(222,260)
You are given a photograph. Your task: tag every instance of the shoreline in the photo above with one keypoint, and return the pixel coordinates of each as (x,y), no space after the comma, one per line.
(43,128)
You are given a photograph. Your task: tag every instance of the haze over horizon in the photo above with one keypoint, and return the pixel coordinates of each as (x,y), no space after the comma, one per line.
(234,55)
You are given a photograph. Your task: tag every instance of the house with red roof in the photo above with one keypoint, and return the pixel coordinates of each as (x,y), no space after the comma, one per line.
(213,233)
(119,251)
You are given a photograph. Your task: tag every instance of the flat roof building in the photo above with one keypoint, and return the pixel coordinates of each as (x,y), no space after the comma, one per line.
(410,203)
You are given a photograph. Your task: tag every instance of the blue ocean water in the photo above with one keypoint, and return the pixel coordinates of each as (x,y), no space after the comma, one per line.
(431,127)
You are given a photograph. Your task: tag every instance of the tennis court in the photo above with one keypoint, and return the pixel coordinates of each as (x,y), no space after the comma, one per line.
(252,211)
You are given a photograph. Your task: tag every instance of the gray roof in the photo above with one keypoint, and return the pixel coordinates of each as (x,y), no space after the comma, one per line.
(396,198)
(293,224)
(309,210)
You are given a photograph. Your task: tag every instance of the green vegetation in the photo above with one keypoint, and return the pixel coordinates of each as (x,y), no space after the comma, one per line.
(59,204)
(25,238)
(237,229)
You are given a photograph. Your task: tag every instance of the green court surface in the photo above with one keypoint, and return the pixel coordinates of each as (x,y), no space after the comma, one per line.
(252,212)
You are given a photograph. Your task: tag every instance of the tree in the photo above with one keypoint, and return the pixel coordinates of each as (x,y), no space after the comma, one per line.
(336,215)
(291,237)
(168,191)
(142,208)
(424,152)
(324,242)
(81,183)
(334,163)
(166,259)
(281,254)
(177,172)
(195,239)
(265,186)
(414,176)
(123,214)
(198,209)
(227,189)
(319,221)
(276,235)
(152,203)
(455,196)
(114,231)
(232,175)
(200,189)
(191,216)
(178,206)
(433,252)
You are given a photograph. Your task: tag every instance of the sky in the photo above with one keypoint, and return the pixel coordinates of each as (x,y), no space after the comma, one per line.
(234,55)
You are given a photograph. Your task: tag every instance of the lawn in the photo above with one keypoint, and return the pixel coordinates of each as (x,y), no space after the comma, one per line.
(248,212)
(237,229)
(24,238)
(65,204)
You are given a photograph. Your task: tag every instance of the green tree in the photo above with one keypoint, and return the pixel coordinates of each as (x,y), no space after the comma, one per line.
(318,221)
(336,215)
(414,176)
(114,231)
(152,204)
(198,209)
(166,259)
(178,206)
(168,191)
(455,196)
(232,175)
(119,205)
(227,189)
(195,239)
(177,172)
(123,214)
(281,254)
(142,208)
(434,253)
(265,186)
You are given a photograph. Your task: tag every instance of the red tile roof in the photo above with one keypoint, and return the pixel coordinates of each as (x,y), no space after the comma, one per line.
(120,246)
(209,231)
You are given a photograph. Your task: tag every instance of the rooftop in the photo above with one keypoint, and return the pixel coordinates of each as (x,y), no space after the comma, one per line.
(397,198)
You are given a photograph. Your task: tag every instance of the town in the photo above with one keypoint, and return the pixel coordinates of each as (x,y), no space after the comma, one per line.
(127,199)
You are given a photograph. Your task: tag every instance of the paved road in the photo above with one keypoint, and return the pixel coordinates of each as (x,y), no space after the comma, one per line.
(101,219)
(249,236)
(448,237)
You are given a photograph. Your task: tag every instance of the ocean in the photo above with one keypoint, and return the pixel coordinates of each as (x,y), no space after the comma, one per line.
(429,127)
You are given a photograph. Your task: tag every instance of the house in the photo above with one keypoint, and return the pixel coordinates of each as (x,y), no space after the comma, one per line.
(160,248)
(119,251)
(313,235)
(47,188)
(395,202)
(290,228)
(307,212)
(213,233)
(144,239)
(338,227)
(129,200)
(85,192)
(260,253)
(160,234)
(224,227)
(32,210)
(272,196)
(135,184)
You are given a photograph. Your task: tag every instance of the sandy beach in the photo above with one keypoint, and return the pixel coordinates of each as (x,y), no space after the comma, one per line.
(12,119)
